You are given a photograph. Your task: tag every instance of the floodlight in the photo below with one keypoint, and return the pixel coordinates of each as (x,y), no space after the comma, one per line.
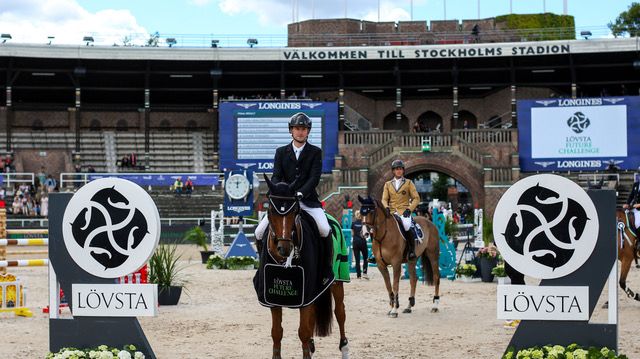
(214,43)
(5,37)
(171,41)
(252,42)
(50,39)
(88,40)
(586,34)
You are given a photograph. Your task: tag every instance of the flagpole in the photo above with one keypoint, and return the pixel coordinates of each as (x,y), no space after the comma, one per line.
(510,6)
(478,9)
(313,9)
(411,10)
(445,9)
(378,10)
(544,6)
(345,9)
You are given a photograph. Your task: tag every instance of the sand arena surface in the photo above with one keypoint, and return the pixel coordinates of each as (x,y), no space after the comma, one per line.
(221,318)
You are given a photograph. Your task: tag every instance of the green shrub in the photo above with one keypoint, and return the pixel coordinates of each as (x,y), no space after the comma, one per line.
(564,25)
(572,351)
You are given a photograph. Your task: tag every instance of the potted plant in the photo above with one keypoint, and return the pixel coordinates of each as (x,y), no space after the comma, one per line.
(198,237)
(165,272)
(499,272)
(466,271)
(240,262)
(488,260)
(215,261)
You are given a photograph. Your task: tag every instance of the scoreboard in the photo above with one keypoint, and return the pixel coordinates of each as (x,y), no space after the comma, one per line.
(250,132)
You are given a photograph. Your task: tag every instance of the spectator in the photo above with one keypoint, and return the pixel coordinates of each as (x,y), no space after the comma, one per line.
(3,192)
(77,181)
(125,161)
(416,127)
(44,208)
(91,169)
(50,184)
(188,187)
(178,185)
(465,125)
(42,176)
(133,159)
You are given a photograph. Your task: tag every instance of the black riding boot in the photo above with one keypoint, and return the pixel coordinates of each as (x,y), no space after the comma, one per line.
(411,243)
(327,260)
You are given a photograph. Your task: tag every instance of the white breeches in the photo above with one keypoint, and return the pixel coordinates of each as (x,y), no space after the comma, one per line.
(317,214)
(636,217)
(406,221)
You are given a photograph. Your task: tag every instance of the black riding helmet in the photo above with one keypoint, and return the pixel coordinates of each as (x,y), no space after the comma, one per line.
(300,119)
(397,164)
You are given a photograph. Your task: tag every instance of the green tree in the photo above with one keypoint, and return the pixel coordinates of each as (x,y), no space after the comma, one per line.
(440,187)
(628,22)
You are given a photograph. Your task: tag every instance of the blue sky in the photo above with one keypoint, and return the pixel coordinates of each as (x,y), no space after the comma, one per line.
(110,21)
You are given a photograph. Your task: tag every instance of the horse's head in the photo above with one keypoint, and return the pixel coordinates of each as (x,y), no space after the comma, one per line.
(283,217)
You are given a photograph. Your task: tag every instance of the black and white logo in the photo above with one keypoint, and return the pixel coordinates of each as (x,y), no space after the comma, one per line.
(111,227)
(545,226)
(578,122)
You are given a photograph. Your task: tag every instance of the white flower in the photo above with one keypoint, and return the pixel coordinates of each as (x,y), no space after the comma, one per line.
(138,355)
(105,355)
(124,355)
(93,354)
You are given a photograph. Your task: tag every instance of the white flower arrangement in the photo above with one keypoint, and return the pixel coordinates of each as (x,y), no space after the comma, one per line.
(101,352)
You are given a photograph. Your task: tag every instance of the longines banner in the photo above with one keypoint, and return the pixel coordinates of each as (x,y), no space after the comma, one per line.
(547,227)
(251,131)
(579,134)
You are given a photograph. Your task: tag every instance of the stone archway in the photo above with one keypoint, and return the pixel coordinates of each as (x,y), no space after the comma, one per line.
(392,123)
(464,115)
(430,121)
(453,166)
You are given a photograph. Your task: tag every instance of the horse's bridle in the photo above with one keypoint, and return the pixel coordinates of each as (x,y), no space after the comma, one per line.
(374,207)
(282,211)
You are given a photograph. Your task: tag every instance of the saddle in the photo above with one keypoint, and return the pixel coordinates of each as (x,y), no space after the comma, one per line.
(414,225)
(298,285)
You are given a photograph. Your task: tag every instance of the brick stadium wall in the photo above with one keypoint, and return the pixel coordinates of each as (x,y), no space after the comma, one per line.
(48,120)
(110,119)
(64,121)
(55,161)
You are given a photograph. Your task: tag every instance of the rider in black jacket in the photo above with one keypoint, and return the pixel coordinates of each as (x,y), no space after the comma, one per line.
(633,202)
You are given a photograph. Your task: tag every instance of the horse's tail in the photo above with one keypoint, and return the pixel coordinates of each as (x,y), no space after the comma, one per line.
(427,271)
(324,313)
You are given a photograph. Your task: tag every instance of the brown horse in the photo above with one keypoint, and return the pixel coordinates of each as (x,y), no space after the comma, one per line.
(285,220)
(627,248)
(388,247)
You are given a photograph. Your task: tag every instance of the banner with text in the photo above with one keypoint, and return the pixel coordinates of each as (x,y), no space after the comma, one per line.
(579,134)
(250,132)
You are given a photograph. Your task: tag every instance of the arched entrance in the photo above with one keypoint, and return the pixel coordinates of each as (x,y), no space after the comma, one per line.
(466,119)
(430,121)
(447,190)
(392,123)
(472,178)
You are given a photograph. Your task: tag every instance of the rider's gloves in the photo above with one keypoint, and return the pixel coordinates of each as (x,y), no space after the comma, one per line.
(299,195)
(407,213)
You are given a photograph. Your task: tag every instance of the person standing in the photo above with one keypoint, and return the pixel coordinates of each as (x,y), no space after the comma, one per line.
(359,246)
(633,203)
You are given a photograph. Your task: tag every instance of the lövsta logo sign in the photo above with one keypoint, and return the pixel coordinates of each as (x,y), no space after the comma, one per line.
(111,227)
(545,226)
(578,122)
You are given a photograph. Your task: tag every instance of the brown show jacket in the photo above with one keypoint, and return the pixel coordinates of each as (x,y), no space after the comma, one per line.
(406,197)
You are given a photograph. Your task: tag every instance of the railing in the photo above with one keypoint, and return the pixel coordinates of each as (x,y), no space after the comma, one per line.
(354,117)
(380,153)
(71,179)
(368,137)
(471,152)
(486,136)
(16,177)
(501,175)
(325,185)
(415,140)
(354,175)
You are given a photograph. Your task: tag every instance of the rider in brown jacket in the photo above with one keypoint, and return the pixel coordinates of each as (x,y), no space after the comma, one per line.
(401,198)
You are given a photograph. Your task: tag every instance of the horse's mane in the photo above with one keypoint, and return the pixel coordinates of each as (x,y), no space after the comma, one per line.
(379,205)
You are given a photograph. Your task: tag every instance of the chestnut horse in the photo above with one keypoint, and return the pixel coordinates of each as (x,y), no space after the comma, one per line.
(388,246)
(285,220)
(627,248)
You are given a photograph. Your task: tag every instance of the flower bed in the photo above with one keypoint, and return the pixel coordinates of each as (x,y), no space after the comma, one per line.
(101,352)
(466,270)
(215,261)
(572,351)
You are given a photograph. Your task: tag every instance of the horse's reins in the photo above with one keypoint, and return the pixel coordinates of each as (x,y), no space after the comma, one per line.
(622,232)
(282,211)
(379,240)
